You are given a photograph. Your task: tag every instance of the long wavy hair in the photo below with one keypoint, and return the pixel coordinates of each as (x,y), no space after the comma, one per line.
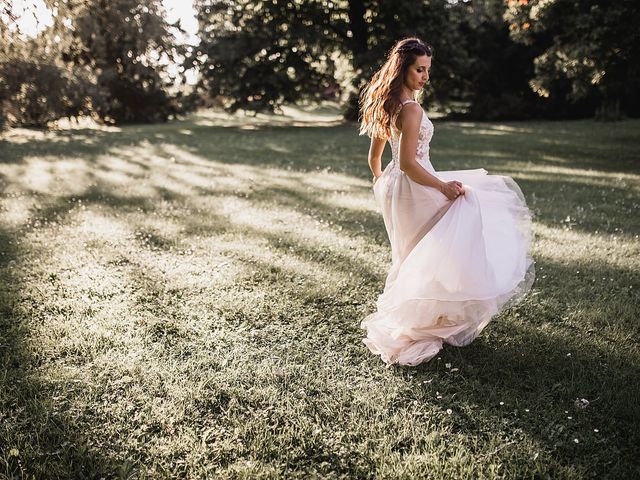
(380,99)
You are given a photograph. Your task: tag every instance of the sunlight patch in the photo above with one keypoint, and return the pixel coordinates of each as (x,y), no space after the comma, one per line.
(316,272)
(290,224)
(572,246)
(483,131)
(333,181)
(36,175)
(589,173)
(15,210)
(352,202)
(94,226)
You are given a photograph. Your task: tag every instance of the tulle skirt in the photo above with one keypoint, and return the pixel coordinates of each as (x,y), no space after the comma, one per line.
(455,264)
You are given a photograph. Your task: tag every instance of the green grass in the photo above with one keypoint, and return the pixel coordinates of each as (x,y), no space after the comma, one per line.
(184,300)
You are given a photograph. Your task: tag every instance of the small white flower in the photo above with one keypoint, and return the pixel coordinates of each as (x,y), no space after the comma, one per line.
(526,410)
(501,403)
(570,418)
(447,365)
(575,440)
(581,403)
(568,354)
(449,411)
(596,430)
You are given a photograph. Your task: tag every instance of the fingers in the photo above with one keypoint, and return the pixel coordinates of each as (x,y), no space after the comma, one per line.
(455,190)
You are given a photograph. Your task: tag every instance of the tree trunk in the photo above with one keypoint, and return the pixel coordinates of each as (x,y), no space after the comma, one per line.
(358,27)
(358,44)
(609,110)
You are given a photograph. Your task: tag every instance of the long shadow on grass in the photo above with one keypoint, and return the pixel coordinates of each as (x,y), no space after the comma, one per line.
(285,143)
(582,206)
(544,354)
(38,438)
(574,144)
(596,207)
(532,368)
(287,146)
(589,206)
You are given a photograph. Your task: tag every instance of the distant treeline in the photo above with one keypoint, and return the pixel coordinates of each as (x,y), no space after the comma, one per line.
(119,60)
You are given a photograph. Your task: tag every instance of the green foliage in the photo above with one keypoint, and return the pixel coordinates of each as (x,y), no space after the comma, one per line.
(260,55)
(591,45)
(38,92)
(104,59)
(499,69)
(35,87)
(126,44)
(437,22)
(525,59)
(551,58)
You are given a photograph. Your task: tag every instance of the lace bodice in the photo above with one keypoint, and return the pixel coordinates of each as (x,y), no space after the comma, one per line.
(424,138)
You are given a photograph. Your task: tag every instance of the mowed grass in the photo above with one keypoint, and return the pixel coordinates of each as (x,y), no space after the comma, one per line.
(184,301)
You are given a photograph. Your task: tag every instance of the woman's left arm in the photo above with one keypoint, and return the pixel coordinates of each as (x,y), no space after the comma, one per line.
(375,156)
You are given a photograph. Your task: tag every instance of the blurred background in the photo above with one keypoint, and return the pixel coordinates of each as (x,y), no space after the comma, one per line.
(126,61)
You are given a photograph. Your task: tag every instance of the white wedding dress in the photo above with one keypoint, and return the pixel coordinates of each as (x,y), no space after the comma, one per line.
(455,264)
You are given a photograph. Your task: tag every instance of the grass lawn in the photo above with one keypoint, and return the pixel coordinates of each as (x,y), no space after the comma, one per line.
(184,300)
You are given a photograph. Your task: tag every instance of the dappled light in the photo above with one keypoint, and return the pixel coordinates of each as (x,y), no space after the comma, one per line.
(290,116)
(192,250)
(183,284)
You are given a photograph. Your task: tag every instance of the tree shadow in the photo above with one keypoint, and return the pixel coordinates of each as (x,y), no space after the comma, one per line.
(581,206)
(577,144)
(37,431)
(503,365)
(538,365)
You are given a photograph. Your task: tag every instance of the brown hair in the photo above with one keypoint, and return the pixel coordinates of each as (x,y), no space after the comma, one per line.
(380,99)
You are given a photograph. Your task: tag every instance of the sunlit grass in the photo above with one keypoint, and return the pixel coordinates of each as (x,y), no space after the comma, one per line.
(184,300)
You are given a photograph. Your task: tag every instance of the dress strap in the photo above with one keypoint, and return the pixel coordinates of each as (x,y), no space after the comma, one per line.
(402,104)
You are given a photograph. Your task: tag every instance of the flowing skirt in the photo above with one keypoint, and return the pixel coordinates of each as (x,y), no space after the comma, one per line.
(455,264)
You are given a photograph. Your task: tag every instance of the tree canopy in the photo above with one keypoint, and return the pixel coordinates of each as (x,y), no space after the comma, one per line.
(118,60)
(584,48)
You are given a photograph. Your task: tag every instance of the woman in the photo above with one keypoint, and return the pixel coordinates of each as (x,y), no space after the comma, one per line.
(460,240)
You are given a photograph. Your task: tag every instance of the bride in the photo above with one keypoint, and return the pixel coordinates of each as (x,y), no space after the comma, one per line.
(460,240)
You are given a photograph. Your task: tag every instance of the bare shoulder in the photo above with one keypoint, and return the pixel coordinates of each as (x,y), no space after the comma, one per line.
(410,116)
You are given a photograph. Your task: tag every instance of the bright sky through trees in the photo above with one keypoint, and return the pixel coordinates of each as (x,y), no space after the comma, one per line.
(34,16)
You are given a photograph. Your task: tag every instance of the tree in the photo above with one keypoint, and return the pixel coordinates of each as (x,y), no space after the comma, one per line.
(108,59)
(260,54)
(127,45)
(434,21)
(498,68)
(35,86)
(592,46)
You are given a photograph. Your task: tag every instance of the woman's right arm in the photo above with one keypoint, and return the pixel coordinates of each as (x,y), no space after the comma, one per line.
(375,156)
(410,118)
